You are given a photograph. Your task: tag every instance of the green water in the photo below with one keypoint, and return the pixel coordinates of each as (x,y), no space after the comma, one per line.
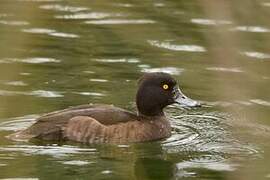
(55,54)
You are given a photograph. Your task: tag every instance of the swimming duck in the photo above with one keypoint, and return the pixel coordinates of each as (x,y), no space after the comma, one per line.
(109,124)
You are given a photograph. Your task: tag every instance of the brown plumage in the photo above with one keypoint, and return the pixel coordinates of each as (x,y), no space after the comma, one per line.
(88,130)
(109,124)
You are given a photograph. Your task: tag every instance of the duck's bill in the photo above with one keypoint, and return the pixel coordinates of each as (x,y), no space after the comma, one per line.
(183,100)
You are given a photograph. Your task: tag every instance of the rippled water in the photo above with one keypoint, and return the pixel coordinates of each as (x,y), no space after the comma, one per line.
(55,54)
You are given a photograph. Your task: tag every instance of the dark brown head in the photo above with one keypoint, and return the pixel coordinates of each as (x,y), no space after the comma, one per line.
(158,90)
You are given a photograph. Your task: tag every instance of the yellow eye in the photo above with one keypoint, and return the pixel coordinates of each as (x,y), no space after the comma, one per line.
(165,86)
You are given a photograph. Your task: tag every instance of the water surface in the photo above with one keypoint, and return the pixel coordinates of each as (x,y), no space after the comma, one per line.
(55,54)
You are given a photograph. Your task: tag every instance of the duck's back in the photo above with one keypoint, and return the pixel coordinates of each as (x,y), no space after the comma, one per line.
(52,126)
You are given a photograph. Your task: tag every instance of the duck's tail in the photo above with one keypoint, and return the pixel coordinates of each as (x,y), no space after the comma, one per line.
(20,136)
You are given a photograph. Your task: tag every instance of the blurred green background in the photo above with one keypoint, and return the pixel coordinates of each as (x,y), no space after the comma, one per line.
(60,53)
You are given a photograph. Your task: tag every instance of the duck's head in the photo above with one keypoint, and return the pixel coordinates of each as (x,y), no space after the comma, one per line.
(158,90)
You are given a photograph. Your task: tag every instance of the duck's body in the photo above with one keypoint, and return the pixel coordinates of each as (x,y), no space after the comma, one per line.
(109,124)
(96,124)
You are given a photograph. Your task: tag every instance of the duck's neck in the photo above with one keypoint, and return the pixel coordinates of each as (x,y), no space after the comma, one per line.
(150,117)
(146,109)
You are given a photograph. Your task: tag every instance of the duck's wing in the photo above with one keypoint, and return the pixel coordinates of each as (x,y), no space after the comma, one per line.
(51,126)
(105,114)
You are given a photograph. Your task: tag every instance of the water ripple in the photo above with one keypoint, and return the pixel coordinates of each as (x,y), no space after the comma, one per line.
(16,83)
(38,93)
(123,60)
(93,15)
(170,70)
(50,94)
(65,35)
(40,0)
(58,7)
(205,162)
(256,29)
(35,60)
(245,103)
(210,22)
(20,179)
(50,32)
(257,55)
(89,72)
(89,94)
(123,5)
(159,4)
(260,102)
(25,74)
(2,164)
(218,103)
(18,123)
(168,45)
(14,23)
(121,21)
(77,162)
(106,172)
(39,30)
(223,69)
(52,150)
(204,133)
(98,80)
(43,93)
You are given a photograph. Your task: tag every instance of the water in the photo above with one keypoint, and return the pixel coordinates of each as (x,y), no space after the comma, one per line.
(55,54)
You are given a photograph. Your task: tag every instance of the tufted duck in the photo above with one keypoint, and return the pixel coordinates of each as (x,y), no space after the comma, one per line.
(108,124)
